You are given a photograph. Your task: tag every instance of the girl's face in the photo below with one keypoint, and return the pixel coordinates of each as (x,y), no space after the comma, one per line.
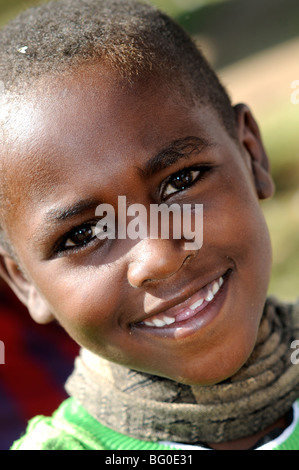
(150,304)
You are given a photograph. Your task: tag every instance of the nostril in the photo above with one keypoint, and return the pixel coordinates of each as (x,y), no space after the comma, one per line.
(185,260)
(137,277)
(156,260)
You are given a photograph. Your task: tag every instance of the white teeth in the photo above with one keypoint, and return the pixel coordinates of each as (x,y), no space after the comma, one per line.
(216,288)
(197,304)
(169,320)
(149,323)
(158,322)
(210,296)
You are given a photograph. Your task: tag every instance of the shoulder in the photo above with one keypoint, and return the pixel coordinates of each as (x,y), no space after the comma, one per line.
(42,435)
(66,429)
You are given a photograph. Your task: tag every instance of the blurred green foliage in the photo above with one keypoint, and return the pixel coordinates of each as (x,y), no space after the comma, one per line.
(233,30)
(178,7)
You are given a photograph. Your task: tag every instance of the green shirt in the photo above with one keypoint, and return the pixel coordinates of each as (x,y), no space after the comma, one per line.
(72,428)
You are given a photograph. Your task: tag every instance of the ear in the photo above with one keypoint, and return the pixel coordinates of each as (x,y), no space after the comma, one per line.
(250,139)
(24,289)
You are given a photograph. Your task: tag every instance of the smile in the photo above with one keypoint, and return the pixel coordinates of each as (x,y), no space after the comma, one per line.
(176,316)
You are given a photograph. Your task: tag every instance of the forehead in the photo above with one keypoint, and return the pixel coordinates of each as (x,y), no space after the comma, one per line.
(92,107)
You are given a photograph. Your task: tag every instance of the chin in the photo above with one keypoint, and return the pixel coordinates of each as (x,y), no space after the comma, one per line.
(221,371)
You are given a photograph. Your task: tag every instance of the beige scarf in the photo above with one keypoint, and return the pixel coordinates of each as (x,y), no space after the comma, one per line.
(153,408)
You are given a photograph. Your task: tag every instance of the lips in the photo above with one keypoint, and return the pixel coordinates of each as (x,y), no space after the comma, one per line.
(188,309)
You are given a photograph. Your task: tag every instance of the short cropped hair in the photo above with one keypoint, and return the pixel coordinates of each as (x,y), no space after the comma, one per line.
(135,38)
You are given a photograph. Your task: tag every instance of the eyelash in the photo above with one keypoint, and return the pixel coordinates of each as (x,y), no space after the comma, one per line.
(62,248)
(201,173)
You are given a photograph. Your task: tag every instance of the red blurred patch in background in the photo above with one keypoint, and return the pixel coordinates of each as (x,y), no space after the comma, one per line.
(38,360)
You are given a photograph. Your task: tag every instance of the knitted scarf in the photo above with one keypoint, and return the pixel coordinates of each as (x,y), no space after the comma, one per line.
(153,408)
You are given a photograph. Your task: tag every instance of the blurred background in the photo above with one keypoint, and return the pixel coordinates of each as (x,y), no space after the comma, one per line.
(254,46)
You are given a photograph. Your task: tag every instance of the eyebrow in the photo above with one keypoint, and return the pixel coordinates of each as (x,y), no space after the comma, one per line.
(175,151)
(60,214)
(71,211)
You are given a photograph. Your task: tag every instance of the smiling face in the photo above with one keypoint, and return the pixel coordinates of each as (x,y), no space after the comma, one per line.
(188,315)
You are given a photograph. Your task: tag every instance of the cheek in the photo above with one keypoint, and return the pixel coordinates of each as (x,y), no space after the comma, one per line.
(235,213)
(85,301)
(241,225)
(234,227)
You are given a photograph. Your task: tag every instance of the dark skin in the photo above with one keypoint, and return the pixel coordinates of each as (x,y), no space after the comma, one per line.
(90,138)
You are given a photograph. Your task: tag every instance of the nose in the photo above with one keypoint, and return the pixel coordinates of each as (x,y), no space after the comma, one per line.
(154,260)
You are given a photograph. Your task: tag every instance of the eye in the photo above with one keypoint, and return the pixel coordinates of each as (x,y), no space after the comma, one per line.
(181,180)
(80,237)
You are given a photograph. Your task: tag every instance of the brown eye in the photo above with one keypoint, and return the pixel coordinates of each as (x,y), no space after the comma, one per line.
(180,181)
(80,236)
